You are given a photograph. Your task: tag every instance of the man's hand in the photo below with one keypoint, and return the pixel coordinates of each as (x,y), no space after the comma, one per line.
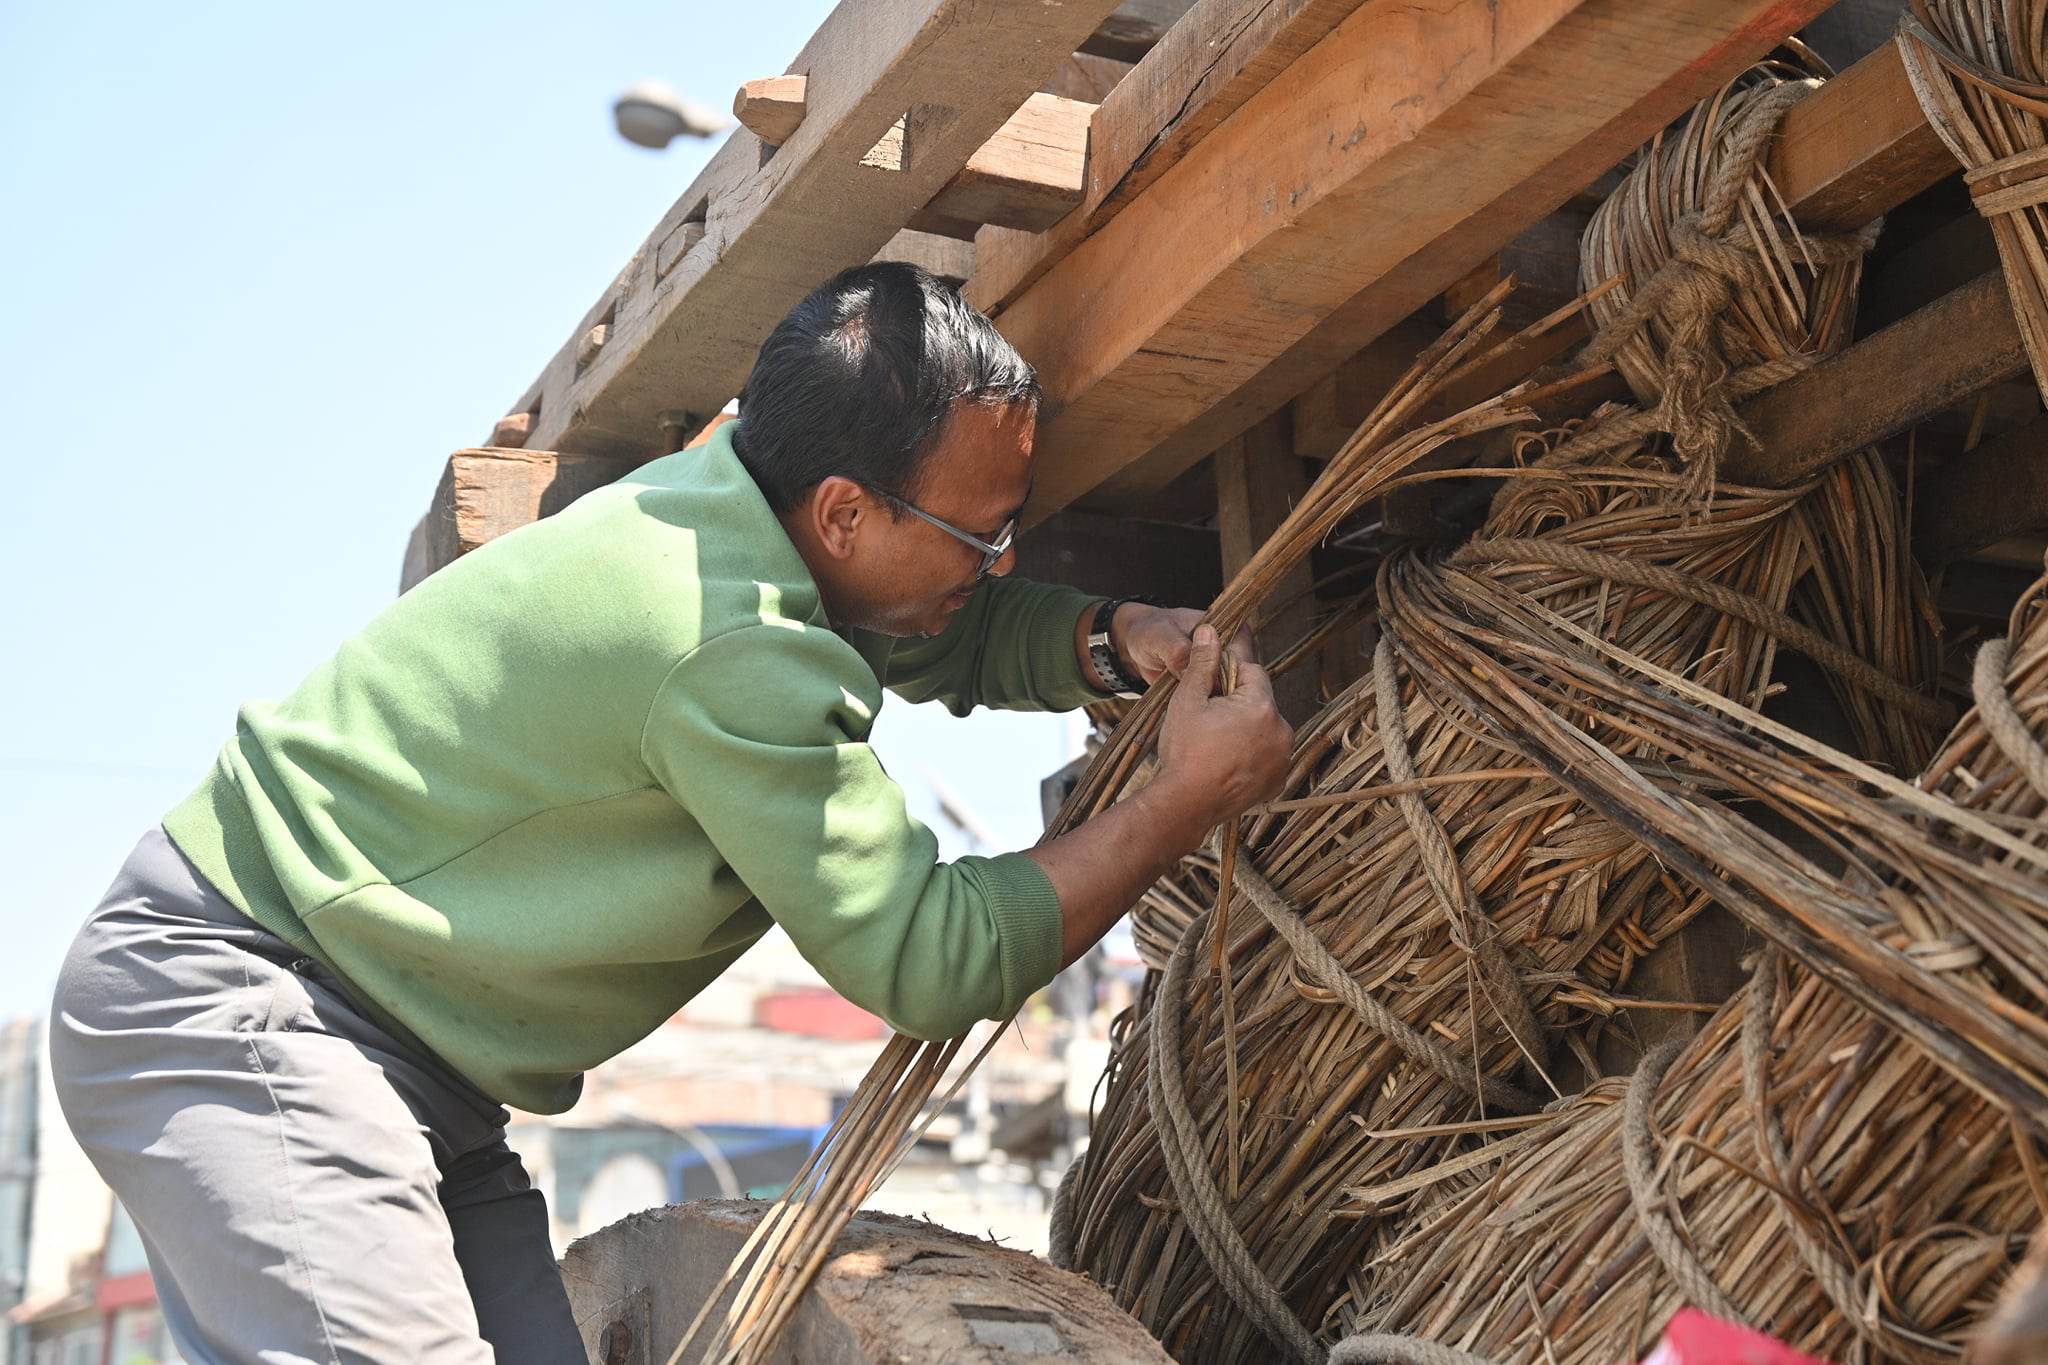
(1221,753)
(1154,641)
(1218,755)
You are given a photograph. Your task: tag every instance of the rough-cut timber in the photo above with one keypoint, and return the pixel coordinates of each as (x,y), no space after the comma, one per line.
(1379,167)
(1880,386)
(1028,176)
(1207,65)
(895,1290)
(1133,30)
(1858,148)
(770,108)
(684,324)
(1853,151)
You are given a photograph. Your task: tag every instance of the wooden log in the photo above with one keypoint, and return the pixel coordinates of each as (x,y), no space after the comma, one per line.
(1992,493)
(770,230)
(896,1290)
(1881,385)
(1027,176)
(1134,29)
(1476,120)
(1198,75)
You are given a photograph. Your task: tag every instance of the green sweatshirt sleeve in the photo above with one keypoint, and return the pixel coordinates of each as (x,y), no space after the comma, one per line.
(1010,648)
(760,735)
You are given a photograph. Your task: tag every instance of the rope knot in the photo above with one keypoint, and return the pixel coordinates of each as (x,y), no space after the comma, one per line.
(1684,330)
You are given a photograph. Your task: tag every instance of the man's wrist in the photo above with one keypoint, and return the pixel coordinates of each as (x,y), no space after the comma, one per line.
(1101,651)
(1181,816)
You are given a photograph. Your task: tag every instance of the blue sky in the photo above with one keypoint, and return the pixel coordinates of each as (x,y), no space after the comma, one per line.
(265,267)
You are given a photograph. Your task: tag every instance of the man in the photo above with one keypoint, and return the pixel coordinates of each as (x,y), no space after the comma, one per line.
(554,790)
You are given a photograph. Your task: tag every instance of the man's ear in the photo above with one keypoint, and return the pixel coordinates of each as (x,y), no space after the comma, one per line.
(838,508)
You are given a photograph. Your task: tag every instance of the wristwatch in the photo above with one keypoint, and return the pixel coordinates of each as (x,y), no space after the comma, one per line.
(1111,674)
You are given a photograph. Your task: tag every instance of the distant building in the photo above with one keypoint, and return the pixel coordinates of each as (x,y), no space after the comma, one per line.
(21,1045)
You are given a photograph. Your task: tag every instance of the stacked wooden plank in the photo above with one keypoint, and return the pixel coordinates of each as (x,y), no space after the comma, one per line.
(1192,221)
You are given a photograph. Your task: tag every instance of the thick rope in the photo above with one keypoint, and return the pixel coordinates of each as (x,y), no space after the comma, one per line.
(1850,667)
(1201,1202)
(1995,136)
(1628,426)
(2007,726)
(1470,929)
(1062,1241)
(1639,1163)
(1187,1168)
(1836,1280)
(1692,295)
(1322,964)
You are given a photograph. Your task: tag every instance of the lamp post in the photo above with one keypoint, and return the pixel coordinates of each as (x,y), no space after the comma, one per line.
(652,114)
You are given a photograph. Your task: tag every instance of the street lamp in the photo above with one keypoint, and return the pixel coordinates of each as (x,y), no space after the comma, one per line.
(652,114)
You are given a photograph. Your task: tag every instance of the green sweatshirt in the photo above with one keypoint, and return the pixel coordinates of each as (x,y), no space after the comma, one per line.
(558,787)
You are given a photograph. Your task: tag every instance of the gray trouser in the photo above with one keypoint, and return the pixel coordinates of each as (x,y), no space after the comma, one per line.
(307,1187)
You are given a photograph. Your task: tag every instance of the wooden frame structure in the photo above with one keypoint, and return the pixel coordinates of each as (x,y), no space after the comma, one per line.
(1256,216)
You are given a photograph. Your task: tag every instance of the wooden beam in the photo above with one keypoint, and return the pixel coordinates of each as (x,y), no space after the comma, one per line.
(1028,176)
(771,108)
(1287,252)
(1124,557)
(1858,147)
(1134,29)
(951,259)
(1204,68)
(1085,78)
(1259,478)
(1948,257)
(1992,493)
(1881,385)
(1327,414)
(758,232)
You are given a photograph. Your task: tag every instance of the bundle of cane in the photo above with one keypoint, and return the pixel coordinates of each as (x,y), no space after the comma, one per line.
(895,1100)
(1459,911)
(1846,1157)
(1980,70)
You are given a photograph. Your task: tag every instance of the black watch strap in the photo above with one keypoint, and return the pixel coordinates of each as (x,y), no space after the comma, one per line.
(1111,673)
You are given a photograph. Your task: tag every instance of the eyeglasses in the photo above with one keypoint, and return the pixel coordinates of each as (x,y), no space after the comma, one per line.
(992,551)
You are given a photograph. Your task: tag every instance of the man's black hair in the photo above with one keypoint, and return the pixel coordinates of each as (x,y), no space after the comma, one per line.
(860,376)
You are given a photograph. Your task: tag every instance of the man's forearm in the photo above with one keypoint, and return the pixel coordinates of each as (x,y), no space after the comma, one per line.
(1101,868)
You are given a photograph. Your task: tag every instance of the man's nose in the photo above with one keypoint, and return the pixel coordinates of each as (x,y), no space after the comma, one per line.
(1002,567)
